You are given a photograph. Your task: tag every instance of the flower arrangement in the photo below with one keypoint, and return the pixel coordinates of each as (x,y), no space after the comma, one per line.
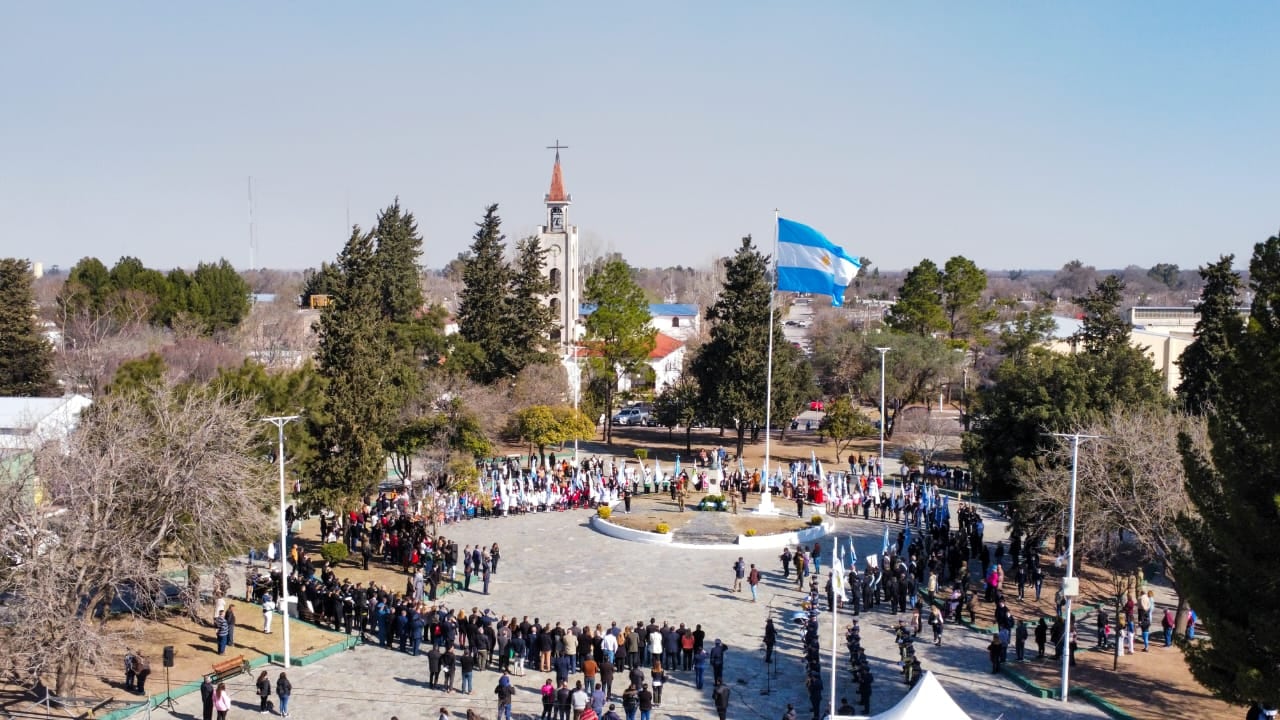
(662,529)
(604,512)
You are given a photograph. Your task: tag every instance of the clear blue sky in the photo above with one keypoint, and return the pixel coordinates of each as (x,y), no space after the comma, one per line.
(1021,135)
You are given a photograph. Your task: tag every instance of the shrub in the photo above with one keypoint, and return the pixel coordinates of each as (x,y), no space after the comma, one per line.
(604,512)
(716,499)
(815,520)
(642,454)
(662,529)
(751,532)
(911,458)
(333,553)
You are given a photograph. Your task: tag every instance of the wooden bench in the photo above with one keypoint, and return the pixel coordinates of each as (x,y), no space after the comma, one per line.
(229,668)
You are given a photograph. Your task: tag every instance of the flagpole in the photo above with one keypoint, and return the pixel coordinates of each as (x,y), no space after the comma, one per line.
(766,503)
(837,588)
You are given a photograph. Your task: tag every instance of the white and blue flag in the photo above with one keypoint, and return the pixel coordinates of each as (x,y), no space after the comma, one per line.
(810,263)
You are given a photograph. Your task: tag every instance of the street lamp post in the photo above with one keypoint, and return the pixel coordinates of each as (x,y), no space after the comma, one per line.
(880,461)
(280,422)
(1069,585)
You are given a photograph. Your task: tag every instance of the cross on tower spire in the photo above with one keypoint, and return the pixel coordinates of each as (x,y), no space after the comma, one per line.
(557,193)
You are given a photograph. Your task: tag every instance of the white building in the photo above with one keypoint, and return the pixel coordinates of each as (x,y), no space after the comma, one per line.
(560,239)
(26,423)
(679,320)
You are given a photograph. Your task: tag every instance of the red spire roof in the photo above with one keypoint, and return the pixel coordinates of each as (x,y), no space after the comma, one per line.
(557,193)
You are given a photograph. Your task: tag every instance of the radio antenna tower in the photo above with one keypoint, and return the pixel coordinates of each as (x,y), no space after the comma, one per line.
(253,239)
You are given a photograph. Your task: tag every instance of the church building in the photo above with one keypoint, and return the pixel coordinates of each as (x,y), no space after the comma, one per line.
(560,240)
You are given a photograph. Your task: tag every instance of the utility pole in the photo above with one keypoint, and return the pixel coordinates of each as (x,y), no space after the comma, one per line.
(1070,584)
(280,422)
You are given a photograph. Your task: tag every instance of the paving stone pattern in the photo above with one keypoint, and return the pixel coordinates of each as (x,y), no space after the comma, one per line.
(554,567)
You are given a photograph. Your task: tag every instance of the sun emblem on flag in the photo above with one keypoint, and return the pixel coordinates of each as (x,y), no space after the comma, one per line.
(826,260)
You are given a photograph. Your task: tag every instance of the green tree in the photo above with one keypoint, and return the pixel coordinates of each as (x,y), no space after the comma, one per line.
(678,404)
(299,391)
(324,281)
(842,423)
(618,334)
(87,288)
(542,426)
(1218,329)
(26,357)
(963,283)
(732,367)
(482,302)
(919,308)
(361,397)
(399,246)
(219,297)
(529,320)
(1034,392)
(1227,571)
(1102,326)
(1166,273)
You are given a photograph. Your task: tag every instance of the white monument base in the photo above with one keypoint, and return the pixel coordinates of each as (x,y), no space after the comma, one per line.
(766,505)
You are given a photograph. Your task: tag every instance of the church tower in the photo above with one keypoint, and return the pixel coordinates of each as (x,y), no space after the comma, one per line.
(560,240)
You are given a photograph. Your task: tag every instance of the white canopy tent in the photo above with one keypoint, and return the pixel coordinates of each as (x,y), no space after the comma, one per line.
(926,701)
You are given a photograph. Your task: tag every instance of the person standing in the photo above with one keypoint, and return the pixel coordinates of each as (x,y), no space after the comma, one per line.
(220,630)
(221,701)
(739,572)
(548,692)
(770,638)
(1042,637)
(468,666)
(130,671)
(630,702)
(717,660)
(206,698)
(264,692)
(659,678)
(268,607)
(504,691)
(644,701)
(1166,624)
(721,697)
(231,625)
(753,579)
(284,689)
(1020,640)
(699,666)
(995,651)
(785,557)
(144,669)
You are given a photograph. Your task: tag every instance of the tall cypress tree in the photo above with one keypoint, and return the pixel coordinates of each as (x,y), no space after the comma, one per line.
(529,320)
(732,367)
(360,394)
(1232,559)
(482,303)
(398,250)
(26,358)
(1217,331)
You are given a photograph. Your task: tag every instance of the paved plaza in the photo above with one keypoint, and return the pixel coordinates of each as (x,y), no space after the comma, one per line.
(554,567)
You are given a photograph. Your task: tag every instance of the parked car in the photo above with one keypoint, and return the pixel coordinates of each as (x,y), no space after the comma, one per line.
(817,405)
(630,416)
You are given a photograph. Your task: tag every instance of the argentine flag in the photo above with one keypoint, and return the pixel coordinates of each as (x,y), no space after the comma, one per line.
(810,263)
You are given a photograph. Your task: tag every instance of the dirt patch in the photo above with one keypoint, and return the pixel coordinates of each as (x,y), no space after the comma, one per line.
(1150,685)
(195,651)
(765,525)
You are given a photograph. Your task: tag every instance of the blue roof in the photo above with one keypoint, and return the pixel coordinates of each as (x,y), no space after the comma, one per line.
(681,309)
(673,309)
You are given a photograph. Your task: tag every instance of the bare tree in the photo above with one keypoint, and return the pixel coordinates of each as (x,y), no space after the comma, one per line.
(929,433)
(1131,485)
(150,482)
(540,384)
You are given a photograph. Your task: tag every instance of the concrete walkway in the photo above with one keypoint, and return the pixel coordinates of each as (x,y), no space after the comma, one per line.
(556,568)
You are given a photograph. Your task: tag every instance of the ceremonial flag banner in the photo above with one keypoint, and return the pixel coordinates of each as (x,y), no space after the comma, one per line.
(810,263)
(837,577)
(884,549)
